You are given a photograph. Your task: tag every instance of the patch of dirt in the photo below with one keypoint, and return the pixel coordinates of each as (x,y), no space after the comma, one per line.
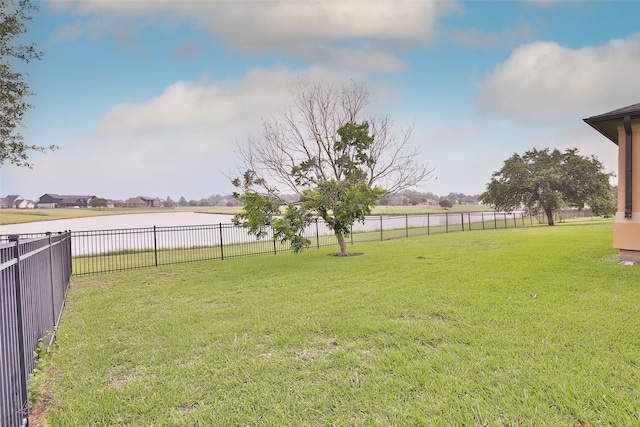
(348,255)
(309,355)
(38,412)
(119,381)
(188,408)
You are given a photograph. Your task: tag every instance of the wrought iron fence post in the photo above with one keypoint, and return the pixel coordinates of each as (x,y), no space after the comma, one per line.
(462,220)
(381,237)
(275,250)
(428,225)
(155,246)
(20,325)
(469,218)
(446,221)
(221,244)
(406,223)
(505,220)
(53,292)
(317,234)
(482,217)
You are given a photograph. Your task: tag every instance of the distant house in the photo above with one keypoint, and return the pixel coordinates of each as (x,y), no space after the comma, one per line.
(16,202)
(143,202)
(50,200)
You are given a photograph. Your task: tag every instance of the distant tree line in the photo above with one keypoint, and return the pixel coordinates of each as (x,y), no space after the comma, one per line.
(403,198)
(213,200)
(413,198)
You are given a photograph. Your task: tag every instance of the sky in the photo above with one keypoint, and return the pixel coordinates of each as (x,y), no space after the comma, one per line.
(151,98)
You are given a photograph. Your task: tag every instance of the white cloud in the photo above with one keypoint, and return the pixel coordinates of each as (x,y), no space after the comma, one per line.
(475,38)
(181,142)
(546,81)
(275,22)
(70,31)
(268,25)
(360,34)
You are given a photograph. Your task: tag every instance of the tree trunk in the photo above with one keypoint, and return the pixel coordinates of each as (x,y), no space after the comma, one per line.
(549,216)
(343,244)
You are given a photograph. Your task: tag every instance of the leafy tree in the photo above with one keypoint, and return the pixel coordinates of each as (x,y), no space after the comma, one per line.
(453,198)
(169,203)
(14,14)
(214,199)
(445,203)
(183,202)
(98,202)
(546,180)
(336,165)
(414,200)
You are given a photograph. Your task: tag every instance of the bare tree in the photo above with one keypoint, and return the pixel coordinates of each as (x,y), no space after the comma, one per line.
(329,152)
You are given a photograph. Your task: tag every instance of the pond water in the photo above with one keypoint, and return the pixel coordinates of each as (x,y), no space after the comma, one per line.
(174,219)
(115,222)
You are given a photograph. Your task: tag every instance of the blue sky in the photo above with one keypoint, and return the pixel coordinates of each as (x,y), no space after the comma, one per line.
(152,97)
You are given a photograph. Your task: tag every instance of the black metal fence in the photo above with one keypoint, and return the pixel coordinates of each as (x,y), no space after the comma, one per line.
(102,251)
(35,277)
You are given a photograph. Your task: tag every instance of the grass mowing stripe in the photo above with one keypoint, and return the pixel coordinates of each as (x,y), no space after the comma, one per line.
(439,330)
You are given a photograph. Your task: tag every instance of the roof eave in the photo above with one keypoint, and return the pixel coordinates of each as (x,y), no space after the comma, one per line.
(607,123)
(601,126)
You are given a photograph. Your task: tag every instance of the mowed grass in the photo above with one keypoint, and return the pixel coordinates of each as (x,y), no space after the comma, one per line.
(435,331)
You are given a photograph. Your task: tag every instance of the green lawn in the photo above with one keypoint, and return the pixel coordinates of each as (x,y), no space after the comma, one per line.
(436,331)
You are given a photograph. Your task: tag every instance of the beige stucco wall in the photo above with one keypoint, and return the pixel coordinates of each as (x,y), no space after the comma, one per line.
(626,231)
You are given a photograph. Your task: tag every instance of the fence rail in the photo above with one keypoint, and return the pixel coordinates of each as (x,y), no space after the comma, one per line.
(104,251)
(35,277)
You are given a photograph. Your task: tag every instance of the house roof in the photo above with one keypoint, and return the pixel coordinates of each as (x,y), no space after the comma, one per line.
(135,200)
(141,199)
(66,198)
(607,123)
(10,199)
(74,199)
